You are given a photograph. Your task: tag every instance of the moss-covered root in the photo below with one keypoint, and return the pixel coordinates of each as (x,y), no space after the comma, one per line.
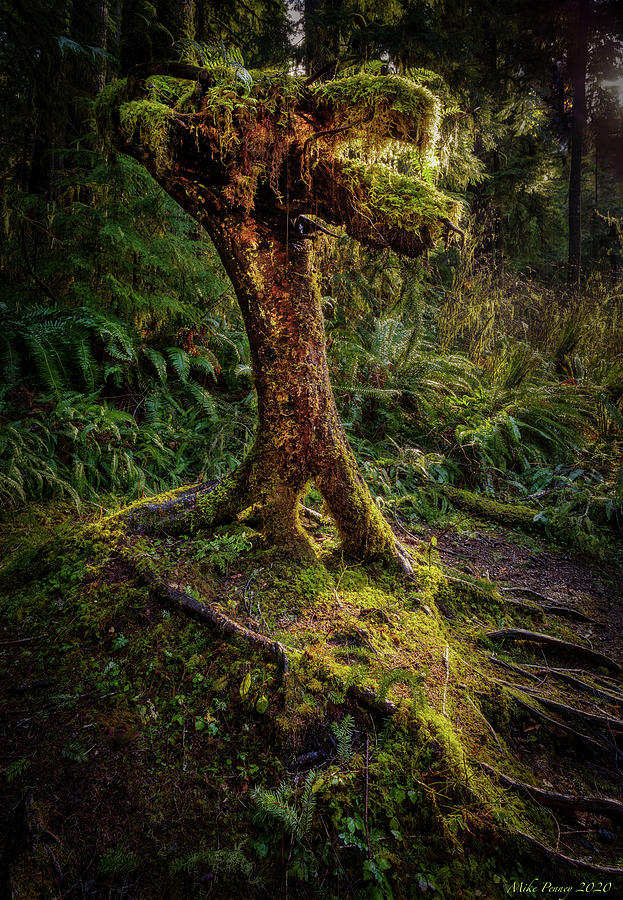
(364,530)
(514,516)
(168,512)
(227,498)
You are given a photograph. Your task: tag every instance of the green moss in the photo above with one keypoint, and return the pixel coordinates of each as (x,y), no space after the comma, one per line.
(401,201)
(107,105)
(149,122)
(515,516)
(383,108)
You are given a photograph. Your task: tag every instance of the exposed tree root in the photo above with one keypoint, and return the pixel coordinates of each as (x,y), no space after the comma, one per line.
(564,612)
(601,746)
(192,507)
(512,668)
(228,629)
(368,698)
(557,673)
(601,805)
(535,637)
(542,604)
(605,722)
(568,860)
(583,685)
(170,515)
(221,624)
(601,723)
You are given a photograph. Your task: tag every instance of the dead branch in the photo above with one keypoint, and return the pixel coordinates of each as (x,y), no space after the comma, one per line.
(535,637)
(452,227)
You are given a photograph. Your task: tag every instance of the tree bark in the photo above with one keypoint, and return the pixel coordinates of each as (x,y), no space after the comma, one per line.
(578,65)
(300,437)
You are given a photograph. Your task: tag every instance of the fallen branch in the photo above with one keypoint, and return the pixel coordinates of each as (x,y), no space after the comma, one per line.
(602,805)
(568,860)
(535,637)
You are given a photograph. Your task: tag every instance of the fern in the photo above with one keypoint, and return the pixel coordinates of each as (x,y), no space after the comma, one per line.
(344,732)
(180,361)
(412,679)
(117,861)
(281,805)
(231,863)
(276,805)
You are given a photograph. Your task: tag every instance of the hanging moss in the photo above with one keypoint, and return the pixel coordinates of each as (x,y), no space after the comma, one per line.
(107,105)
(149,122)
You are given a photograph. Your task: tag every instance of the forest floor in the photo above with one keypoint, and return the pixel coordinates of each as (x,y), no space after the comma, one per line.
(594,589)
(455,736)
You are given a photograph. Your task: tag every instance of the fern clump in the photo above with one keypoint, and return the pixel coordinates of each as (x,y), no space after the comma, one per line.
(282,805)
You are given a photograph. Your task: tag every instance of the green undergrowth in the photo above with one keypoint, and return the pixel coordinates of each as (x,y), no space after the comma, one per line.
(164,758)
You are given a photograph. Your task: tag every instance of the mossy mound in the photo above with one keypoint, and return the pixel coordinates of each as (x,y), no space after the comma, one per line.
(392,107)
(155,758)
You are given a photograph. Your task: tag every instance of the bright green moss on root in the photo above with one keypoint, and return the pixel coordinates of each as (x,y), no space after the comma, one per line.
(515,516)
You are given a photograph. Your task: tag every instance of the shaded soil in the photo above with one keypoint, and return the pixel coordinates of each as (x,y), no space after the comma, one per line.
(595,589)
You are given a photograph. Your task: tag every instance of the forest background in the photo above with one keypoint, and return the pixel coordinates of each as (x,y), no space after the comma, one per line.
(497,368)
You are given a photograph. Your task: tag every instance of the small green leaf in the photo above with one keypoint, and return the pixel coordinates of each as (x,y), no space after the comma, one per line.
(245,686)
(262,704)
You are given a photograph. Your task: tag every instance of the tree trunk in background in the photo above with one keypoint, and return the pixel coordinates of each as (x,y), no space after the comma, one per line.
(578,59)
(99,20)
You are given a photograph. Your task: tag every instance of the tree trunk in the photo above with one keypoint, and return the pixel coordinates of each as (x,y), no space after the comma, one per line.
(578,63)
(300,438)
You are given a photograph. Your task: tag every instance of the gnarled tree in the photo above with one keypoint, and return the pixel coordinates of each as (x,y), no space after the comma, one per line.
(257,167)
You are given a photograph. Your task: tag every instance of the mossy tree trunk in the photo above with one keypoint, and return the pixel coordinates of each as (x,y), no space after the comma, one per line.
(249,167)
(300,438)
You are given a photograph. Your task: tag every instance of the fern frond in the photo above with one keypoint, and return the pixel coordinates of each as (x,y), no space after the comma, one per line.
(180,360)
